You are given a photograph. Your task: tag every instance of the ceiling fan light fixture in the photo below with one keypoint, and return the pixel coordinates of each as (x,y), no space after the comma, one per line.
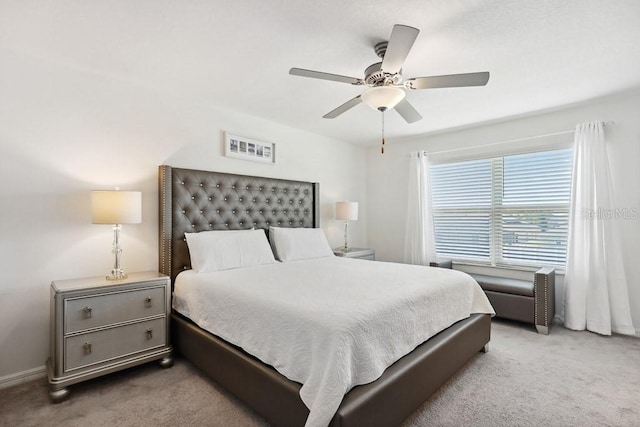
(383,97)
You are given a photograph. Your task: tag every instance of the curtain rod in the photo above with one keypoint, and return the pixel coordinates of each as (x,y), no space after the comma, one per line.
(510,141)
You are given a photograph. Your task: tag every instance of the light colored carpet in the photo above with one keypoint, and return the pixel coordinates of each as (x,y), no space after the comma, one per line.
(564,379)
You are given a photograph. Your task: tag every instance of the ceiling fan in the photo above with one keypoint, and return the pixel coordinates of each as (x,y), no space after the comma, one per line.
(386,85)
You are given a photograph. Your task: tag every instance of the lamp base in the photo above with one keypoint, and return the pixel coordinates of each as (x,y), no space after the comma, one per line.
(346,236)
(117,275)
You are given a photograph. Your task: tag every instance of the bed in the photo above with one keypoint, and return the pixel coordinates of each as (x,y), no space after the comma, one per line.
(194,201)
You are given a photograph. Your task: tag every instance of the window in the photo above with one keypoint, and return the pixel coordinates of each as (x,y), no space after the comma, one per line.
(504,211)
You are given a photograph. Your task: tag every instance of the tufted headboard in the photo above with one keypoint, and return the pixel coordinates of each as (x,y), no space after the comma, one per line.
(193,200)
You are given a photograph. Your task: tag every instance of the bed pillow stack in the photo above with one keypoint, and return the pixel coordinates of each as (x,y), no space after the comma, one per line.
(224,250)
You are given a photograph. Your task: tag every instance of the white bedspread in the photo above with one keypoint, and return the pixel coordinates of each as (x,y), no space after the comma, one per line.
(329,323)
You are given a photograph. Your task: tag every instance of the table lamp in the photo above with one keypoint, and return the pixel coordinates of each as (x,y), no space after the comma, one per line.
(116,208)
(346,211)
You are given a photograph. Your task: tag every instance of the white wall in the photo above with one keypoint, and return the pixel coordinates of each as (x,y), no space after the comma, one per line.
(65,131)
(388,173)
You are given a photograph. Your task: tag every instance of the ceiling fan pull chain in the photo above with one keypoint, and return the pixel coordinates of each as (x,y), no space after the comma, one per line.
(382,148)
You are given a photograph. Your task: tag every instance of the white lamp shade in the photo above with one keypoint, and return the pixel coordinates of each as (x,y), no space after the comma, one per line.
(347,210)
(116,207)
(383,96)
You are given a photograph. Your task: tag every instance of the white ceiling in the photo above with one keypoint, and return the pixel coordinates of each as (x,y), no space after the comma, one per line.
(542,54)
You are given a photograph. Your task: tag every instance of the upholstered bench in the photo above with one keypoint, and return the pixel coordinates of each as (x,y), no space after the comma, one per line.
(531,301)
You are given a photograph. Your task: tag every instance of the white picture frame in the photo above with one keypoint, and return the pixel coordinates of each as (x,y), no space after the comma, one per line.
(240,147)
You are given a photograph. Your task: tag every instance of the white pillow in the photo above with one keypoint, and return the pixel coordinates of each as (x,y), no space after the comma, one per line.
(291,244)
(224,250)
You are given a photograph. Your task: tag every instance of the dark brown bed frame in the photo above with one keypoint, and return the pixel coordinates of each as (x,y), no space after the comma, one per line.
(192,200)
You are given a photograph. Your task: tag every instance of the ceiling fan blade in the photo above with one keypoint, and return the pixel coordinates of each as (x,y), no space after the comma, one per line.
(400,43)
(450,80)
(325,76)
(344,107)
(406,110)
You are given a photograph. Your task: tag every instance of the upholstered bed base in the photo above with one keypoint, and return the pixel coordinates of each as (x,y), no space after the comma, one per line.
(401,389)
(193,200)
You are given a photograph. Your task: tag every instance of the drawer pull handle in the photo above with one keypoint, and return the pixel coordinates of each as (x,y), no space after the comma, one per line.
(149,334)
(147,302)
(87,347)
(87,312)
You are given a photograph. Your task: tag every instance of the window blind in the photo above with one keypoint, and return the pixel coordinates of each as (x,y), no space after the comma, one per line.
(504,211)
(462,209)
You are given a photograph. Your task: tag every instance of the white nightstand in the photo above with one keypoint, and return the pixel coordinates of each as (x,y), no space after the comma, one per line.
(100,326)
(361,253)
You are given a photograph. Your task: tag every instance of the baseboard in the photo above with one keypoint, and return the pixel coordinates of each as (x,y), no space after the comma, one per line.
(22,377)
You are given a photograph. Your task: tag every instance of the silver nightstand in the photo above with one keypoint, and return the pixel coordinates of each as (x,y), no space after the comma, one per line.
(100,326)
(361,253)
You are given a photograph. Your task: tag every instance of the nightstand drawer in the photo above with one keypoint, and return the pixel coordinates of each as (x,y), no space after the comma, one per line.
(115,307)
(123,341)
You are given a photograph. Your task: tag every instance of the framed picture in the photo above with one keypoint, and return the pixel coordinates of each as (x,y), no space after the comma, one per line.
(249,149)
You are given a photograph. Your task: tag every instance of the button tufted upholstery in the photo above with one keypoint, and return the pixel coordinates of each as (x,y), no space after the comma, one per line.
(193,201)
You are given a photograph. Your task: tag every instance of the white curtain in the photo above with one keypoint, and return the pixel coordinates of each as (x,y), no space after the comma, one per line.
(596,296)
(420,245)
